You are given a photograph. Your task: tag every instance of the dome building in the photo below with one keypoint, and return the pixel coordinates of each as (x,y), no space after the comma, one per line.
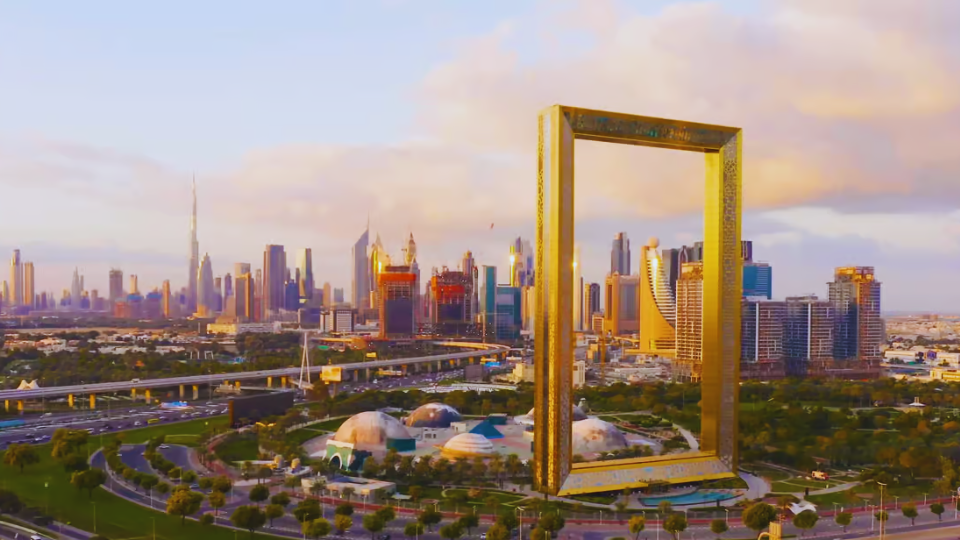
(433,415)
(528,419)
(593,435)
(372,431)
(468,445)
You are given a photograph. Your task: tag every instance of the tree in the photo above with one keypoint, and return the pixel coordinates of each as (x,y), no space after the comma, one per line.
(77,462)
(551,523)
(273,511)
(206,519)
(451,531)
(910,512)
(665,507)
(189,477)
(498,532)
(387,514)
(217,501)
(307,510)
(9,502)
(759,516)
(508,521)
(430,517)
(184,503)
(89,480)
(414,529)
(492,503)
(259,493)
(805,520)
(175,473)
(148,482)
(222,484)
(538,534)
(415,492)
(882,516)
(205,483)
(675,524)
(373,524)
(370,468)
(468,522)
(162,488)
(20,455)
(342,523)
(718,527)
(248,517)
(344,509)
(636,525)
(316,528)
(67,441)
(281,498)
(844,519)
(348,492)
(937,509)
(264,473)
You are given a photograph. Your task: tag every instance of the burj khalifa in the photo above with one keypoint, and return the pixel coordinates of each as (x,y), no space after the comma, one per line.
(194,256)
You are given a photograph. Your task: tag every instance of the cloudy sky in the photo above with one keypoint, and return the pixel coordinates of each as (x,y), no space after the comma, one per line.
(301,118)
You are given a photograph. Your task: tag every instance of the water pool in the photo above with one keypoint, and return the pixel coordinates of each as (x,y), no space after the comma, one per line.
(697,497)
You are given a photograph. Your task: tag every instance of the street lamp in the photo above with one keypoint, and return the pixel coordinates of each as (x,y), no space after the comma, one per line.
(94,516)
(520,521)
(883,521)
(726,511)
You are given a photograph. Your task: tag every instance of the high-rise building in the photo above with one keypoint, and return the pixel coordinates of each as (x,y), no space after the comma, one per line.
(620,310)
(808,334)
(240,269)
(397,305)
(762,325)
(469,267)
(577,291)
(206,294)
(243,298)
(508,314)
(134,285)
(274,274)
(671,266)
(217,295)
(116,285)
(305,266)
(658,308)
(378,260)
(757,279)
(75,290)
(451,302)
(165,302)
(338,295)
(858,328)
(327,295)
(488,302)
(620,255)
(96,303)
(16,280)
(29,285)
(361,271)
(194,262)
(410,257)
(6,294)
(227,287)
(591,299)
(522,269)
(689,360)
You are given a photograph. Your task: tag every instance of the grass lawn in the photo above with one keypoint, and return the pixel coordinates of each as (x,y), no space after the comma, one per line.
(116,517)
(238,447)
(329,425)
(192,427)
(775,475)
(184,440)
(303,435)
(799,484)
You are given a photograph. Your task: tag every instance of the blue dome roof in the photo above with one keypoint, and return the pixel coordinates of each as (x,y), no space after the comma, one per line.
(433,415)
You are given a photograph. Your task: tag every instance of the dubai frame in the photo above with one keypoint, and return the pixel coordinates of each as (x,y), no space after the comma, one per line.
(554,472)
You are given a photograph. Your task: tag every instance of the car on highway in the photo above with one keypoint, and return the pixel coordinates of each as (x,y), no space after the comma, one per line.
(164,446)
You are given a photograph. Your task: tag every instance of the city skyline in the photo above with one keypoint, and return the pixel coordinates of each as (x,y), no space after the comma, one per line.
(819,191)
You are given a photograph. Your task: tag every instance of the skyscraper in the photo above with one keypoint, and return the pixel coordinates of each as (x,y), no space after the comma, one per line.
(327,294)
(620,255)
(621,305)
(206,294)
(689,360)
(227,287)
(469,267)
(75,291)
(762,325)
(577,291)
(808,334)
(858,328)
(6,294)
(116,285)
(194,262)
(591,300)
(28,285)
(240,269)
(378,260)
(410,257)
(134,284)
(522,270)
(361,271)
(16,280)
(305,266)
(274,274)
(243,294)
(165,303)
(757,279)
(658,308)
(488,302)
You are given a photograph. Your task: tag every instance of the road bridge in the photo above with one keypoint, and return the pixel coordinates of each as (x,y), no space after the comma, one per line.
(358,370)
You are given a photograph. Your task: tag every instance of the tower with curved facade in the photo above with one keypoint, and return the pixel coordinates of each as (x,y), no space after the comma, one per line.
(658,307)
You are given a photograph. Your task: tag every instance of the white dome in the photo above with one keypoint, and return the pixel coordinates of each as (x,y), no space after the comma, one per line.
(594,435)
(370,430)
(578,413)
(471,444)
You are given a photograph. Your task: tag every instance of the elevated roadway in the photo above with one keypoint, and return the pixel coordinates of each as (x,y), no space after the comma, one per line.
(475,350)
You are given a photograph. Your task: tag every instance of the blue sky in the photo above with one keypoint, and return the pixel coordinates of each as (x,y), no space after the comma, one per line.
(301,118)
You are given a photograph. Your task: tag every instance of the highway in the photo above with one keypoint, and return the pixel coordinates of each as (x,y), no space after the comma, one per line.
(143,384)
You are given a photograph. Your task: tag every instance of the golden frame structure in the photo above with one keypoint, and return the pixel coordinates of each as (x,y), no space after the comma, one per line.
(554,473)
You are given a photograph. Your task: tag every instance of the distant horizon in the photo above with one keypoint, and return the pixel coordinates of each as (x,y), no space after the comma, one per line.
(298,129)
